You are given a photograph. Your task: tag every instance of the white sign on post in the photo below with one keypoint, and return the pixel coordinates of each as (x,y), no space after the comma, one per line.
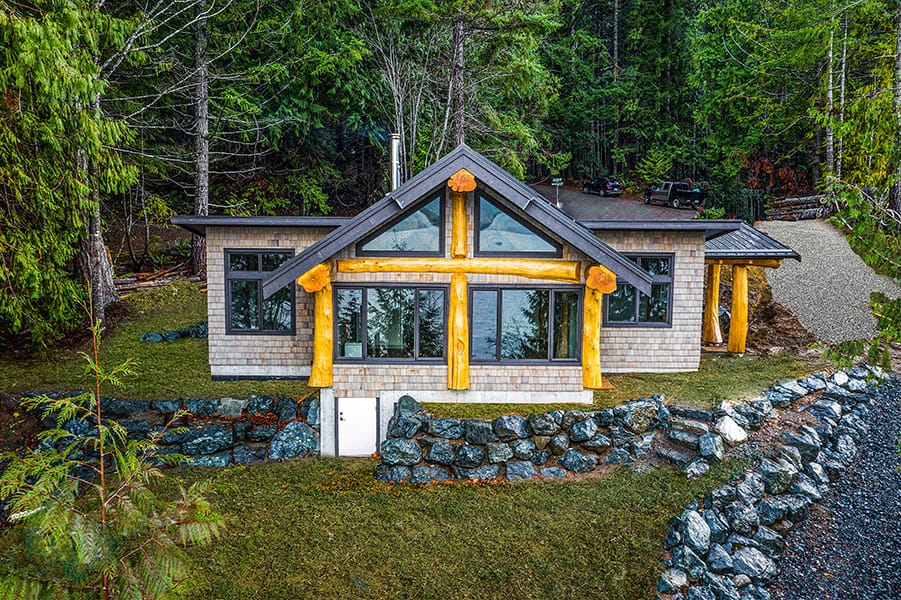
(557,182)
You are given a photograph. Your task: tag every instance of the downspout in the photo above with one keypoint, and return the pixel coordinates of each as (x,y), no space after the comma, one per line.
(395,161)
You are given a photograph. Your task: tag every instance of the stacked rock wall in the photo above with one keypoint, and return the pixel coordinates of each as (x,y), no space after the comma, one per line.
(725,547)
(219,432)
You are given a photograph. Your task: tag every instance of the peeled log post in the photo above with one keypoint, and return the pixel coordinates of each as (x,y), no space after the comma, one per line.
(738,325)
(460,183)
(599,280)
(318,281)
(711,333)
(458,334)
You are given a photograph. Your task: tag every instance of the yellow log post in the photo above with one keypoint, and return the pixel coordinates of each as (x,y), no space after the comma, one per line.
(559,270)
(318,282)
(598,281)
(711,333)
(460,183)
(738,325)
(458,335)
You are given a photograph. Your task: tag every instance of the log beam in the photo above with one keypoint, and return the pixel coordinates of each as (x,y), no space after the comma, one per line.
(460,183)
(738,325)
(458,334)
(591,339)
(771,263)
(566,271)
(315,278)
(600,278)
(711,333)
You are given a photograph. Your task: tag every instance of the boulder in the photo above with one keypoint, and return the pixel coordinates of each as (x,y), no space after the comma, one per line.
(511,427)
(309,410)
(721,496)
(690,425)
(642,444)
(755,564)
(541,458)
(792,389)
(450,429)
(710,446)
(699,593)
(840,378)
(478,431)
(394,451)
(228,407)
(469,456)
(751,489)
(207,440)
(477,473)
(583,430)
(769,542)
(640,415)
(298,439)
(742,518)
(672,581)
(524,449)
(727,409)
(553,472)
(695,531)
(403,427)
(677,457)
(691,413)
(245,453)
(558,444)
(777,474)
(498,452)
(260,433)
(165,406)
(571,417)
(730,431)
(718,560)
(604,417)
(686,439)
(428,474)
(287,409)
(684,558)
(792,455)
(260,405)
(806,440)
(441,452)
(817,473)
(406,406)
(620,437)
(210,460)
(618,456)
(577,462)
(543,424)
(696,468)
(392,473)
(520,470)
(598,443)
(721,586)
(845,448)
(828,409)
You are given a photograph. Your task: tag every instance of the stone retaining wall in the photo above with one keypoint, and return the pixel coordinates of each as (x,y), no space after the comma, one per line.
(220,431)
(725,547)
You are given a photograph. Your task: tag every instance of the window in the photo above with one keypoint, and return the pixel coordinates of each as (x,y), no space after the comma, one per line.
(420,233)
(501,234)
(246,310)
(523,324)
(627,307)
(391,322)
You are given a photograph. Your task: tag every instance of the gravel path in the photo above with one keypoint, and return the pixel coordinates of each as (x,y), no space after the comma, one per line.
(850,547)
(829,290)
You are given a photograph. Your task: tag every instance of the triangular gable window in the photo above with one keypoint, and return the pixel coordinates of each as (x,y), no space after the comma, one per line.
(420,233)
(502,234)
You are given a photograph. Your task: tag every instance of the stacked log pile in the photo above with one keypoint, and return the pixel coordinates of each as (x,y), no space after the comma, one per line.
(798,209)
(141,281)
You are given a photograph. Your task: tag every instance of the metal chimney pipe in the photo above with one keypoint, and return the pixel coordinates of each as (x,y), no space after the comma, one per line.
(395,161)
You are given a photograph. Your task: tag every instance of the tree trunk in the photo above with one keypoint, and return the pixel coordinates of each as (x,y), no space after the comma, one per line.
(840,146)
(457,101)
(93,259)
(201,139)
(830,135)
(895,193)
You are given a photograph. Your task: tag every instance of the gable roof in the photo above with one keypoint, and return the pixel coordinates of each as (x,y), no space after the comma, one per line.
(747,242)
(434,177)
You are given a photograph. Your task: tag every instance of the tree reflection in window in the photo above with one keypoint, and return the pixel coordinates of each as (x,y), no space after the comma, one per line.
(535,324)
(626,305)
(500,233)
(246,309)
(395,322)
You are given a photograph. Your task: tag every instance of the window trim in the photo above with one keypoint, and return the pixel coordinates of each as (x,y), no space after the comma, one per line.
(577,360)
(658,279)
(364,324)
(476,230)
(259,275)
(427,199)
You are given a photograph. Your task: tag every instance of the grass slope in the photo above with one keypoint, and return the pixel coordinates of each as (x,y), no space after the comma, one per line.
(165,370)
(325,528)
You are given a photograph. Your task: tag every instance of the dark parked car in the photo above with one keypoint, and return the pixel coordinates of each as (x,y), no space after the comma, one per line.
(603,186)
(676,194)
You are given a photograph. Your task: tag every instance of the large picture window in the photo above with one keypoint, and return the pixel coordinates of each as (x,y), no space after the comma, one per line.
(246,310)
(391,322)
(420,233)
(627,307)
(501,234)
(525,324)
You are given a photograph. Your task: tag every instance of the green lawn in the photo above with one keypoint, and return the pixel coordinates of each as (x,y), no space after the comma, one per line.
(165,370)
(324,528)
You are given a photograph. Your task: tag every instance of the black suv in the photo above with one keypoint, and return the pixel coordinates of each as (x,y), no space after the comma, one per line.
(603,186)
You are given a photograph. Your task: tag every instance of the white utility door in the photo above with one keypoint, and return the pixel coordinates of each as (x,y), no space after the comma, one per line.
(357,426)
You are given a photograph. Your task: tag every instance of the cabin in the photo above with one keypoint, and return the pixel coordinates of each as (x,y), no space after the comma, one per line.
(464,285)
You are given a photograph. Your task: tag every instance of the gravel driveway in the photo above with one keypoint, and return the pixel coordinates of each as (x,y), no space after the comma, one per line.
(829,290)
(850,547)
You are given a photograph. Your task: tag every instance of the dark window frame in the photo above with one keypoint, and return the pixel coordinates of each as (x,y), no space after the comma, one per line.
(259,275)
(668,280)
(499,288)
(364,333)
(437,194)
(476,230)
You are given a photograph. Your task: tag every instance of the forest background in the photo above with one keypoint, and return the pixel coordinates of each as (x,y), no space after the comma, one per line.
(117,115)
